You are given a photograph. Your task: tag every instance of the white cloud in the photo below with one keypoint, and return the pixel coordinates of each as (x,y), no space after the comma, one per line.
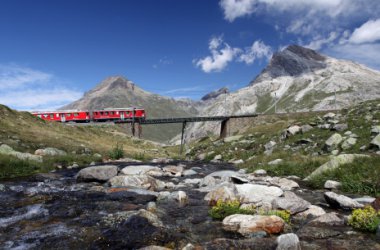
(28,89)
(220,57)
(367,33)
(13,76)
(367,54)
(318,43)
(258,50)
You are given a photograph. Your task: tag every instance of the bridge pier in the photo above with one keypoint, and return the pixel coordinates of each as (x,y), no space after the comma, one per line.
(224,128)
(182,137)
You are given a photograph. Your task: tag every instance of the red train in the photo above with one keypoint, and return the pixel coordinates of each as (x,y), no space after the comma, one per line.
(110,114)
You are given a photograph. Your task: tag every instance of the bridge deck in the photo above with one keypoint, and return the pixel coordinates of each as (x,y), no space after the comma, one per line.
(186,119)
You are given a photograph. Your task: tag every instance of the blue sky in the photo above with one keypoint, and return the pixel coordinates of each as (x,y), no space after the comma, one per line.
(53,51)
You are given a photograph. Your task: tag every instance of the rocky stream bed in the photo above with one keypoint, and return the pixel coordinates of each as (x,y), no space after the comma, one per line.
(134,205)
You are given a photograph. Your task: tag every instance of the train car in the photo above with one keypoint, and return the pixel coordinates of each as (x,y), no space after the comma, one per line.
(118,114)
(110,114)
(64,116)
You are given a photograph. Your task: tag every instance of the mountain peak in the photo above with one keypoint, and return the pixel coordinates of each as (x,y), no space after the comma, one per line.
(294,60)
(215,94)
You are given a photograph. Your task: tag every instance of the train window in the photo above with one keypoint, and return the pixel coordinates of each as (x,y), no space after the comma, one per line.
(76,114)
(117,112)
(68,114)
(101,113)
(45,115)
(87,113)
(57,115)
(51,116)
(111,113)
(105,113)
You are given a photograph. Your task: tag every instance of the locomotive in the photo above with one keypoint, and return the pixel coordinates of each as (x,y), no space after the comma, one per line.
(99,115)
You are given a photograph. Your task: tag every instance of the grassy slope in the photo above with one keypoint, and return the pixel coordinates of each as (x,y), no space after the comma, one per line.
(26,133)
(302,160)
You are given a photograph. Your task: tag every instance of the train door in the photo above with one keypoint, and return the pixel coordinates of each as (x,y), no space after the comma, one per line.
(122,115)
(63,118)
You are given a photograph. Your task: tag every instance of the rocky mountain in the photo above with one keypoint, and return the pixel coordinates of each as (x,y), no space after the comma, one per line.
(215,94)
(119,92)
(296,79)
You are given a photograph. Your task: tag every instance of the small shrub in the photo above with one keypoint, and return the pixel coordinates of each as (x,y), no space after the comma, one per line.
(366,219)
(117,152)
(222,209)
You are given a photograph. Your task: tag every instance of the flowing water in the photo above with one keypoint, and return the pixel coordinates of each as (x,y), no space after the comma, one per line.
(54,211)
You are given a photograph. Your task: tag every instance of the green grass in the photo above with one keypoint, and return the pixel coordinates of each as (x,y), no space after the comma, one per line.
(361,176)
(11,166)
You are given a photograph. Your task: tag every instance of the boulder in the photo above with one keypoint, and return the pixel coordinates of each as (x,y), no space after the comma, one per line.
(270,145)
(173,170)
(284,183)
(375,129)
(208,181)
(365,200)
(288,242)
(340,127)
(329,115)
(217,157)
(233,138)
(253,193)
(306,128)
(142,170)
(97,173)
(375,143)
(335,162)
(347,144)
(139,181)
(333,141)
(113,219)
(276,162)
(291,202)
(248,224)
(312,211)
(260,172)
(341,201)
(329,219)
(332,184)
(225,192)
(50,152)
(292,130)
(189,172)
(7,150)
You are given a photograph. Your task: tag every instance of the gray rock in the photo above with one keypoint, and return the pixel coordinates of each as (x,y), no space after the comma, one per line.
(365,200)
(340,127)
(284,183)
(50,152)
(139,181)
(237,162)
(329,115)
(98,173)
(335,162)
(193,181)
(312,211)
(270,145)
(189,172)
(375,129)
(226,192)
(375,143)
(7,150)
(201,157)
(233,138)
(291,202)
(306,128)
(293,130)
(276,162)
(217,157)
(341,201)
(2,188)
(347,144)
(330,219)
(208,181)
(253,193)
(288,242)
(333,141)
(112,219)
(335,152)
(260,172)
(329,184)
(173,170)
(142,170)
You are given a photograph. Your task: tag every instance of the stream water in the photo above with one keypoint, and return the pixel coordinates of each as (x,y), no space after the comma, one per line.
(54,211)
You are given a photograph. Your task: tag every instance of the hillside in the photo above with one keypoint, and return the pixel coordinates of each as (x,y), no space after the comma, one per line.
(296,79)
(118,92)
(25,133)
